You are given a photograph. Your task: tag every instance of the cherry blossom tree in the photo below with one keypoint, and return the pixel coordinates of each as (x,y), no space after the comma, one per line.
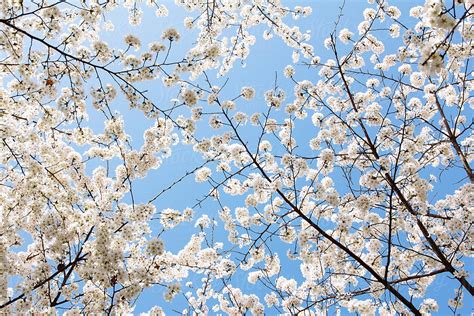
(330,195)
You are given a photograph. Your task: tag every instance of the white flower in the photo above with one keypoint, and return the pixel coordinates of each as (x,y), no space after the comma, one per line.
(417,79)
(189,97)
(161,11)
(213,51)
(345,35)
(132,41)
(248,93)
(289,71)
(203,174)
(394,30)
(171,34)
(203,222)
(228,105)
(295,56)
(155,247)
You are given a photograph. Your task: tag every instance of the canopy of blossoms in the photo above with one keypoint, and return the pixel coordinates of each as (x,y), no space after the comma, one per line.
(346,187)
